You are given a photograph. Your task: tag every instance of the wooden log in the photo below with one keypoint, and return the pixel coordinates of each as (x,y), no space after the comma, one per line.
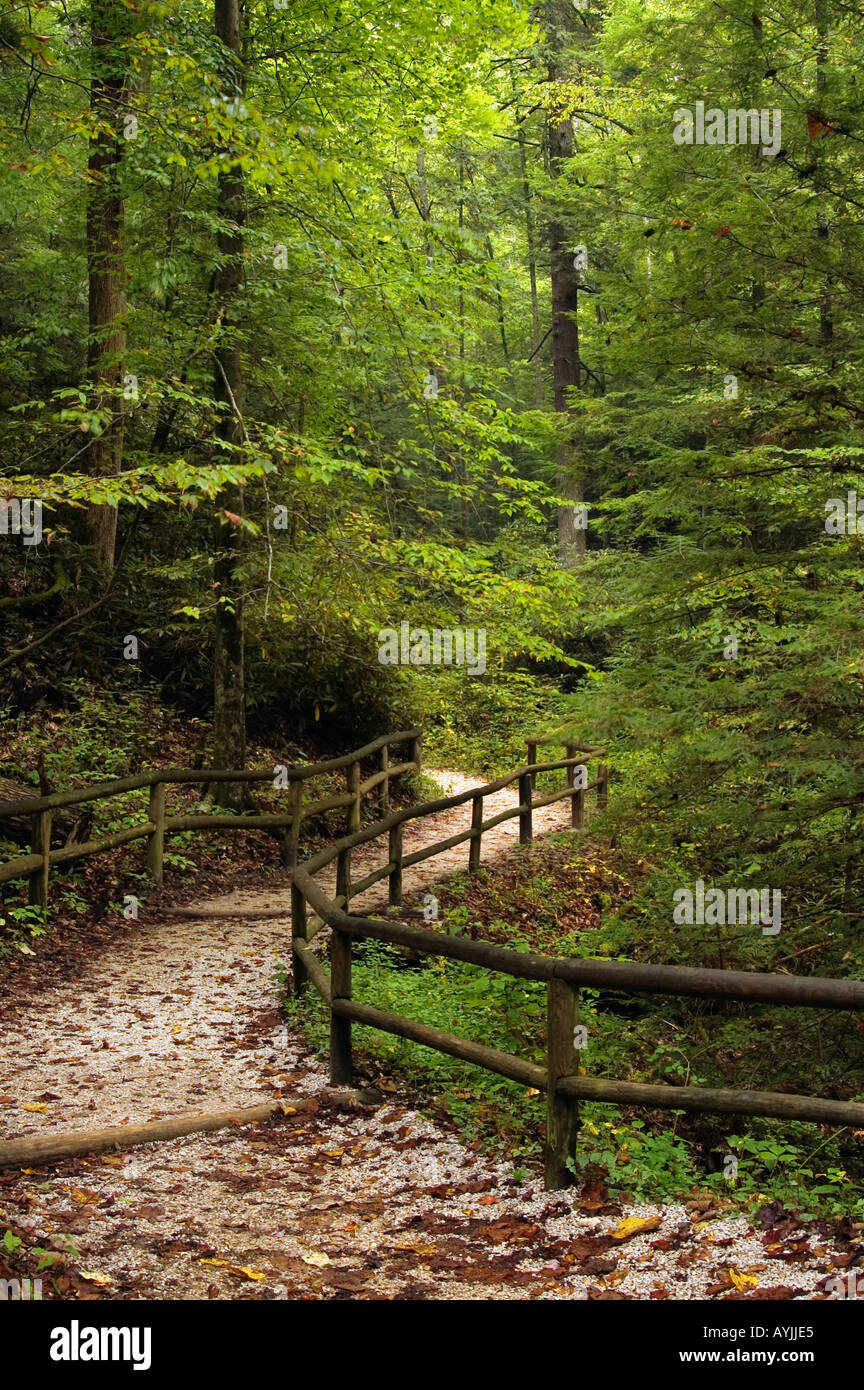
(548,799)
(509,814)
(431,851)
(222,914)
(36,1150)
(384,798)
(90,847)
(577,799)
(354,809)
(341,1062)
(296,822)
(313,967)
(502,1063)
(41,845)
(531,744)
(417,750)
(343,875)
(20,827)
(525,793)
(21,867)
(394,854)
(299,928)
(269,820)
(476,834)
(562,1016)
(156,842)
(773,1104)
(602,786)
(370,879)
(377,778)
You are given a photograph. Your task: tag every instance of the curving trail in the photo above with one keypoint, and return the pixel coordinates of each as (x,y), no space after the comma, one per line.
(181,1015)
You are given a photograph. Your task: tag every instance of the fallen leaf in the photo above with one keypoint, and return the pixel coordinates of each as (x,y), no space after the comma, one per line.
(634,1226)
(315,1257)
(743,1281)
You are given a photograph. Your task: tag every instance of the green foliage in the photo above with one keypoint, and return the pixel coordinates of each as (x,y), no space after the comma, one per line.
(19,926)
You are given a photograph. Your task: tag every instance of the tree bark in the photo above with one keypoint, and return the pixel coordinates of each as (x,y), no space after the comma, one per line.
(826,307)
(106,261)
(566,372)
(532,270)
(229,694)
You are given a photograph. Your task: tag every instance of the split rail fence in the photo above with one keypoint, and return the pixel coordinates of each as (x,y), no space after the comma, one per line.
(37,865)
(562,1077)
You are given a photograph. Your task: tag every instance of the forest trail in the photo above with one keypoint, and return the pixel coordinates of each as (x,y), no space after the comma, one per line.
(179,1016)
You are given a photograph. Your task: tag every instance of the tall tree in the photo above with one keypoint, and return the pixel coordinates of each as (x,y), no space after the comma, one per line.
(229,694)
(566,278)
(106,258)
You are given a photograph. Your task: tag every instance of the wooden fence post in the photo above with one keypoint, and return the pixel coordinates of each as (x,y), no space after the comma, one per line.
(298,928)
(384,794)
(40,844)
(525,793)
(341,1061)
(343,878)
(394,856)
(156,839)
(417,751)
(476,834)
(562,1116)
(532,756)
(577,799)
(602,786)
(354,789)
(296,821)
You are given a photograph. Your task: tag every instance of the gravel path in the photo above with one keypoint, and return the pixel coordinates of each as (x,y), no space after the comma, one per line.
(182,1015)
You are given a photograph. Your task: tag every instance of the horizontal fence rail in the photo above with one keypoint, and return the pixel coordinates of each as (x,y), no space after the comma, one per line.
(565,1087)
(36,865)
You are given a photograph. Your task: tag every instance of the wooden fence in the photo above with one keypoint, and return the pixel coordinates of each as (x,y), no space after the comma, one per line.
(37,865)
(562,1077)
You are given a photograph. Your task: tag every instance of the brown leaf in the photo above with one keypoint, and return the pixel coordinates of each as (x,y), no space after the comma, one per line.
(818,124)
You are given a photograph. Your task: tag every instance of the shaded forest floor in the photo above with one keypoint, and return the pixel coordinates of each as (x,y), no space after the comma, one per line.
(177,1015)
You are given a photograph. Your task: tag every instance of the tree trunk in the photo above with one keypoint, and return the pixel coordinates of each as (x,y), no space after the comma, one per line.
(229,695)
(532,271)
(826,307)
(566,372)
(106,262)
